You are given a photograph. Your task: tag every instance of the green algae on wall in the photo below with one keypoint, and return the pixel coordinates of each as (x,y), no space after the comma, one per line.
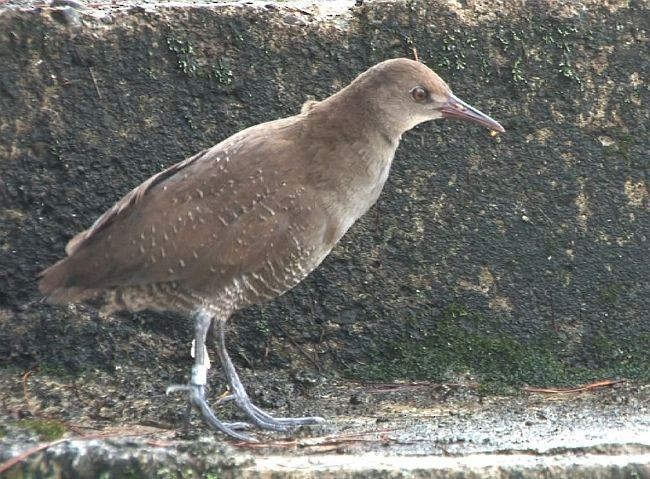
(462,345)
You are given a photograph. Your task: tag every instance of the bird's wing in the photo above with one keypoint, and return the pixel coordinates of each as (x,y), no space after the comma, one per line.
(211,213)
(128,201)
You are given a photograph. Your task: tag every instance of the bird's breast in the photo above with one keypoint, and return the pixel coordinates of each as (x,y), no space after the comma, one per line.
(359,188)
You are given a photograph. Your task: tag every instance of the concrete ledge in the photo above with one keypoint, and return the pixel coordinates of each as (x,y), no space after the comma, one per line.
(416,432)
(587,466)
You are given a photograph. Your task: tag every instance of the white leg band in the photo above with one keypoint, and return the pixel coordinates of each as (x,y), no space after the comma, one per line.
(199,375)
(206,358)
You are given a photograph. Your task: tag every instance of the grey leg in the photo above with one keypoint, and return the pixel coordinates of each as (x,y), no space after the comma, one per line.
(196,388)
(258,416)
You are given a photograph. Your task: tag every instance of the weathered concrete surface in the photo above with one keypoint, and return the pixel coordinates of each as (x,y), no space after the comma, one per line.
(517,260)
(379,431)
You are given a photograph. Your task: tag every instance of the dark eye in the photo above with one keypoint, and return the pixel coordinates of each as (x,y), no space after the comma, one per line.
(419,94)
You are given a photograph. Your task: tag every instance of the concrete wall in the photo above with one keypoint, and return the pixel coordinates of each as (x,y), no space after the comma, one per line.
(517,259)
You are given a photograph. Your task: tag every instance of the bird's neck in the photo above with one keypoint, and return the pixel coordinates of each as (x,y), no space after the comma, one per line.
(366,144)
(354,114)
(360,151)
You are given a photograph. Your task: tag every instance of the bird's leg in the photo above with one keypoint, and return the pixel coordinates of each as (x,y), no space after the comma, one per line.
(196,388)
(257,415)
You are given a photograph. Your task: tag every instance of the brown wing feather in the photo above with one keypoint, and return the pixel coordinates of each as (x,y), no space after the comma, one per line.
(128,201)
(184,220)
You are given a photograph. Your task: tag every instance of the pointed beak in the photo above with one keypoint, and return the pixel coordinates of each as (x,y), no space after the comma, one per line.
(458,109)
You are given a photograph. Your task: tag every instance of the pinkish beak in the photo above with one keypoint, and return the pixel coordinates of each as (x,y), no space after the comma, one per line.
(458,109)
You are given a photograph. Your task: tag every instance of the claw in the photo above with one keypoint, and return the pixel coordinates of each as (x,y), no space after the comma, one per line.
(172,388)
(224,398)
(197,398)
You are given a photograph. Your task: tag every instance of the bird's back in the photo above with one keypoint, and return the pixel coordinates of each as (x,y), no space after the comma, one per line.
(197,228)
(239,223)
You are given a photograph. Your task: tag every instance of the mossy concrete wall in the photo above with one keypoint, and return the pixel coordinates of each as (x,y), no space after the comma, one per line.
(517,259)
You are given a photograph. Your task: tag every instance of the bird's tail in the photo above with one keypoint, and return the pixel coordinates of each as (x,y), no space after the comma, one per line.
(58,285)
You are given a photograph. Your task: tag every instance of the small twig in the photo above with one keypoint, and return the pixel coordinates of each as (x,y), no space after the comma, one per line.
(299,348)
(587,387)
(30,452)
(78,428)
(154,443)
(335,440)
(388,387)
(300,10)
(267,348)
(554,324)
(415,54)
(28,402)
(262,445)
(92,75)
(352,435)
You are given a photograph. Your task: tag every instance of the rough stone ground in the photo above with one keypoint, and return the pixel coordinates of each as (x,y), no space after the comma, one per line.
(373,430)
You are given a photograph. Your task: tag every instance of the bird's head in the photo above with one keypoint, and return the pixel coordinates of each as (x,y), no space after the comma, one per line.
(405,93)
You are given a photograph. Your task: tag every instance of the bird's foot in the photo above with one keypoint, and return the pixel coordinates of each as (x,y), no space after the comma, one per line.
(197,398)
(196,388)
(264,420)
(258,416)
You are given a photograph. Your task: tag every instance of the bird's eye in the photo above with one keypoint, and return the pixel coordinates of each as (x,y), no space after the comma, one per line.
(419,94)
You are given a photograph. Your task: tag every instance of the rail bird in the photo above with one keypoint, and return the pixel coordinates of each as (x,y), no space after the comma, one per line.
(245,221)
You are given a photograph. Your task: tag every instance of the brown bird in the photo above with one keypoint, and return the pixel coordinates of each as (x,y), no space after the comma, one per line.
(248,219)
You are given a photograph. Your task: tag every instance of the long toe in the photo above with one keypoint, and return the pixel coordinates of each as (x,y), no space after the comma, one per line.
(283,423)
(300,421)
(197,399)
(286,421)
(264,420)
(173,388)
(291,421)
(212,420)
(236,426)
